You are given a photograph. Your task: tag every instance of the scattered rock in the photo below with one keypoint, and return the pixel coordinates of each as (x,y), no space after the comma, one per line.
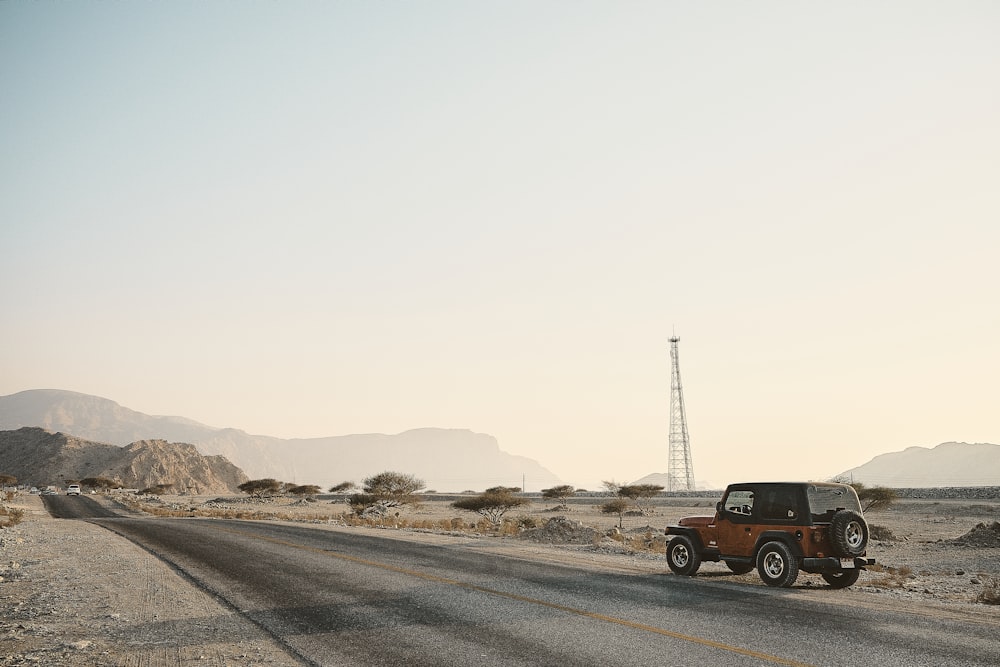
(560,530)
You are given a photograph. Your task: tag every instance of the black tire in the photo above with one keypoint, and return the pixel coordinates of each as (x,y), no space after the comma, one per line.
(682,556)
(777,565)
(739,568)
(848,533)
(841,579)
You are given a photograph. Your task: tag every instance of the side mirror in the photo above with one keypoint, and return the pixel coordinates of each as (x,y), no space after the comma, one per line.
(718,506)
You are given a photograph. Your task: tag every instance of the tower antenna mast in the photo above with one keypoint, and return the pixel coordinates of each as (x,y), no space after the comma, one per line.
(680,470)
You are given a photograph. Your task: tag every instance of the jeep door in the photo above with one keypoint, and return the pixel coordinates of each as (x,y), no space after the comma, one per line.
(735,520)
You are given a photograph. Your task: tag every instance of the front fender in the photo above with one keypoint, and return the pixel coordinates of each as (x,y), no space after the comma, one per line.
(689,532)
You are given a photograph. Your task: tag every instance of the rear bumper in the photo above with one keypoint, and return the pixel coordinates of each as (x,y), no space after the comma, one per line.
(832,564)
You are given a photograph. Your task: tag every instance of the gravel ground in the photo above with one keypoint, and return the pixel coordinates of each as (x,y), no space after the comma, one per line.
(73,593)
(76,594)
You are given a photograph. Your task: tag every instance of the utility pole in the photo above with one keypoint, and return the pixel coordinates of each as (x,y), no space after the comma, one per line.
(680,470)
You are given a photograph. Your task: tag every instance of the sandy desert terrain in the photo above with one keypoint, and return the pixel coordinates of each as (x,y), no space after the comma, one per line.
(74,593)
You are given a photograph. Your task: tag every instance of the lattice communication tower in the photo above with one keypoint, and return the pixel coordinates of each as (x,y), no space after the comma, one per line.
(680,470)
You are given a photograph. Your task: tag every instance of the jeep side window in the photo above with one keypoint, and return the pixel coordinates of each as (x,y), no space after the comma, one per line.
(739,502)
(778,505)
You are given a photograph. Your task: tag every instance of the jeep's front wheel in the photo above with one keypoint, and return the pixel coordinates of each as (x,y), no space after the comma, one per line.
(682,556)
(849,533)
(841,579)
(777,565)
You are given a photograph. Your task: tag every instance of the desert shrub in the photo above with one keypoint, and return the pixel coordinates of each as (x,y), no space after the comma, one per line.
(640,494)
(452,524)
(10,516)
(303,490)
(616,506)
(492,503)
(991,592)
(895,577)
(261,487)
(343,487)
(508,527)
(395,486)
(558,492)
(875,498)
(648,541)
(880,533)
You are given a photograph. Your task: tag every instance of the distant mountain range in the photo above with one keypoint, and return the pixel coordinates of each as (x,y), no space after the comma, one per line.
(446,459)
(948,464)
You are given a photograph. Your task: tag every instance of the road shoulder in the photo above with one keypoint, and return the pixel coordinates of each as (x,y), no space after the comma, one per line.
(75,593)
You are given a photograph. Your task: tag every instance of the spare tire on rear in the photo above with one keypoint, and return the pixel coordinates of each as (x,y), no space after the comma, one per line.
(848,533)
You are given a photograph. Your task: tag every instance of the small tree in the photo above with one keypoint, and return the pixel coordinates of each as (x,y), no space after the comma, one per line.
(389,489)
(611,487)
(559,492)
(875,497)
(343,487)
(640,494)
(304,490)
(261,487)
(616,506)
(492,503)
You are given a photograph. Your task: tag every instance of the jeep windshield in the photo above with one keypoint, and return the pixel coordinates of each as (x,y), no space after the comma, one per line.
(826,500)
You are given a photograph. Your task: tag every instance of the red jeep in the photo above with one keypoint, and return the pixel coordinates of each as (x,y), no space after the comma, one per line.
(780,528)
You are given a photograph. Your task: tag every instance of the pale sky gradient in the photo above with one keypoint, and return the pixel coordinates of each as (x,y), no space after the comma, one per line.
(319,218)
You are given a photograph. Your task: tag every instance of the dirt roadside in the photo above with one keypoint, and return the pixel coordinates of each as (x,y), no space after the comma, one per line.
(73,593)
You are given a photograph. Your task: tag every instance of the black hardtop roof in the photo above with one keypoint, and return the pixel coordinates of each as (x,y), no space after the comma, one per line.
(830,484)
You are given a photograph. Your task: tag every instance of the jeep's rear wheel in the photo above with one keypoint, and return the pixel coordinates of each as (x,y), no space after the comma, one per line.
(682,556)
(848,533)
(739,568)
(776,565)
(841,579)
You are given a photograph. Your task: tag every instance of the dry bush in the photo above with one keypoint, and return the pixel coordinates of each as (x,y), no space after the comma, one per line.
(10,516)
(508,528)
(895,577)
(991,592)
(881,533)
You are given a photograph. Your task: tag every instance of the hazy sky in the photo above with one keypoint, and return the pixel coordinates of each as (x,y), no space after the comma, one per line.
(320,218)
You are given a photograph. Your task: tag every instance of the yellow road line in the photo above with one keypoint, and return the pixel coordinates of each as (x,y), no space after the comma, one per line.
(521,598)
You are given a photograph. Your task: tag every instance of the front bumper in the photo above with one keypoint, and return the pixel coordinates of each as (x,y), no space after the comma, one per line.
(831,564)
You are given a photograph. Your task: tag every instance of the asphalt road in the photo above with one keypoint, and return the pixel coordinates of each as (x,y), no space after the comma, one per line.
(337,598)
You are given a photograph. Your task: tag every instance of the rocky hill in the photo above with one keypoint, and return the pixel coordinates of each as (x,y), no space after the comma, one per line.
(40,457)
(446,459)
